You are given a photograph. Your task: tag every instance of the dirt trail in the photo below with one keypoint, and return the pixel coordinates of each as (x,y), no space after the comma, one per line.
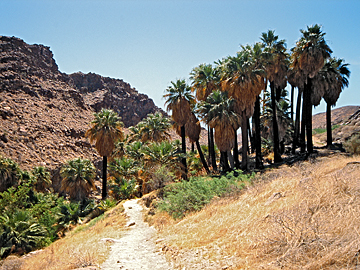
(136,249)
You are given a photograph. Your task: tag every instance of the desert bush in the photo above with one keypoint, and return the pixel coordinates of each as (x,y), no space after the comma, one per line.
(187,196)
(352,145)
(160,176)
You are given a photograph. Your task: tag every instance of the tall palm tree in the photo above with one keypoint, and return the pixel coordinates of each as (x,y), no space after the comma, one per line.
(106,130)
(295,80)
(205,79)
(330,81)
(180,101)
(244,83)
(308,57)
(218,111)
(259,57)
(276,69)
(78,178)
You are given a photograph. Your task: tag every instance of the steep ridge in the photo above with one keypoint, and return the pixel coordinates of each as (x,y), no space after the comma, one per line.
(103,92)
(44,113)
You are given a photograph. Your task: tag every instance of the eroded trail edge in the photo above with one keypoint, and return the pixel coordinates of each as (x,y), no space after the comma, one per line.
(136,249)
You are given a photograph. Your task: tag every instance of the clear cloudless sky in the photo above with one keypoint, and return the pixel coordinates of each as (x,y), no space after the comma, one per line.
(149,43)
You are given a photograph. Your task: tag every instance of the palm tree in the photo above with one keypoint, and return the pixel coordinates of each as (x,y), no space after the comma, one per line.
(258,56)
(10,173)
(154,128)
(105,131)
(218,111)
(308,57)
(180,101)
(244,83)
(276,69)
(330,81)
(295,80)
(78,178)
(20,232)
(42,178)
(205,79)
(124,172)
(193,129)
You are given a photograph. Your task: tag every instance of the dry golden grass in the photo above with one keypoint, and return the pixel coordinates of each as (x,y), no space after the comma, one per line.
(300,217)
(81,247)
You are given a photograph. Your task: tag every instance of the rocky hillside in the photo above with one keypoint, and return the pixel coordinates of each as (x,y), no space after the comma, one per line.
(338,116)
(45,113)
(346,118)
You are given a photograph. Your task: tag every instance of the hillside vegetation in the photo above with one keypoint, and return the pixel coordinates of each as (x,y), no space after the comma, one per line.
(303,216)
(299,217)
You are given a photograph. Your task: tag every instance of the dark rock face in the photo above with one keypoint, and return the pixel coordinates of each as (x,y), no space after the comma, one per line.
(103,92)
(44,113)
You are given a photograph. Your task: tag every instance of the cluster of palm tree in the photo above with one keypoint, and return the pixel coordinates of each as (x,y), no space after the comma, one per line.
(147,150)
(227,94)
(134,159)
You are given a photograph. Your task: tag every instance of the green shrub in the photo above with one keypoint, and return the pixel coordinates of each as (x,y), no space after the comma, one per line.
(187,196)
(33,220)
(122,189)
(20,232)
(323,130)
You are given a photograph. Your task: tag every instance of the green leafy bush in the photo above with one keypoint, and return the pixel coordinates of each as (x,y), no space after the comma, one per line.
(20,232)
(122,188)
(187,196)
(30,219)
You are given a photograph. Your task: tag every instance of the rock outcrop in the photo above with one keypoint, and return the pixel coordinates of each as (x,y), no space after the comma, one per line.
(103,92)
(44,113)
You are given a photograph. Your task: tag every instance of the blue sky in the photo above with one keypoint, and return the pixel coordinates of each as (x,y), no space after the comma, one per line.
(150,43)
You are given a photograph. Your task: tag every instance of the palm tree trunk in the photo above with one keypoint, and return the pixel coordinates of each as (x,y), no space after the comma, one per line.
(202,158)
(256,118)
(244,136)
(328,125)
(104,183)
(277,156)
(251,136)
(209,145)
(224,162)
(292,104)
(236,152)
(212,150)
(307,101)
(297,122)
(303,124)
(183,149)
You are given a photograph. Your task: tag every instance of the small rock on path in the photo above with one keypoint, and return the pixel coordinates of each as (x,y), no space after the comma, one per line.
(136,249)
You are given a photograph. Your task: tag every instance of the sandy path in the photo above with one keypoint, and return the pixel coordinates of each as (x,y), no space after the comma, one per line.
(136,249)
